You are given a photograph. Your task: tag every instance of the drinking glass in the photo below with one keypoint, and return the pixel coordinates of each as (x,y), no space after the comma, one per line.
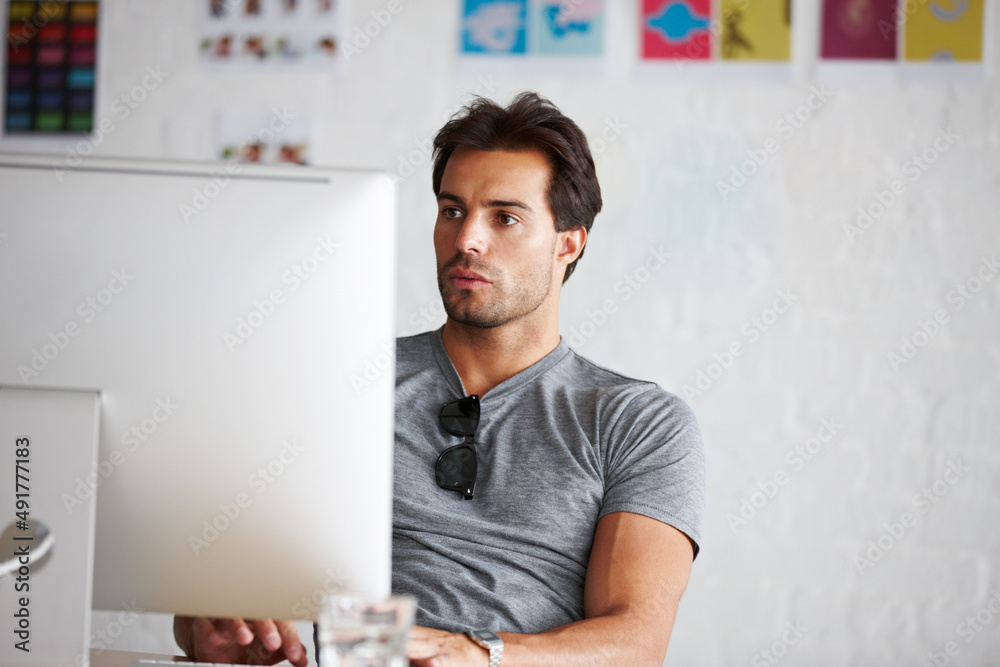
(364,631)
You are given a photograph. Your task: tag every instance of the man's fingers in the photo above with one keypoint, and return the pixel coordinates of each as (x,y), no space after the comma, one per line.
(267,633)
(281,636)
(279,639)
(207,630)
(294,650)
(232,630)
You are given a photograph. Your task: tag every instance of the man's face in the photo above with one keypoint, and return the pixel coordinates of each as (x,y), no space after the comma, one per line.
(495,237)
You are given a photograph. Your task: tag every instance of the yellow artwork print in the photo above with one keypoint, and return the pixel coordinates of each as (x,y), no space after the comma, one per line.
(943,30)
(756,29)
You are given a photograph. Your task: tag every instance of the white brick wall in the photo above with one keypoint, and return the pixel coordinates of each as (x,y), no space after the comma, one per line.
(826,357)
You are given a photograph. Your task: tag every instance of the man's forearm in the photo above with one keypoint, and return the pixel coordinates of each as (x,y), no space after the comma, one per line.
(603,641)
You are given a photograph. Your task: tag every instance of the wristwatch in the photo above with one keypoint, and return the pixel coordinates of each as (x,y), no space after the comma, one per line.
(490,642)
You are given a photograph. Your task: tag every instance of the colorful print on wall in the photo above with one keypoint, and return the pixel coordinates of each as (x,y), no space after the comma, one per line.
(569,27)
(677,29)
(757,30)
(525,28)
(280,137)
(944,30)
(255,33)
(859,30)
(497,27)
(51,66)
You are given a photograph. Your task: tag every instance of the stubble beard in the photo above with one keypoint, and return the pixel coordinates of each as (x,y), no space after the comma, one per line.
(508,304)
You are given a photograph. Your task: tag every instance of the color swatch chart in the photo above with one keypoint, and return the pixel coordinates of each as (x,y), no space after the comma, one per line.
(51,63)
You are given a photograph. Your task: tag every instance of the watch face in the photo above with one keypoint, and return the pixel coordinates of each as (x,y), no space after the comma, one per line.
(487,636)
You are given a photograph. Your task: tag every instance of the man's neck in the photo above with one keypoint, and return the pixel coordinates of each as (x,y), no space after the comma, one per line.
(486,357)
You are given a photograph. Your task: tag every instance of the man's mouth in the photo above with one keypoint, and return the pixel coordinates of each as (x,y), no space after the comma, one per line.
(466,279)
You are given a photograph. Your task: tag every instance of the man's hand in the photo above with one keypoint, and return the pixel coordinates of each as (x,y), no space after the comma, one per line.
(233,640)
(437,648)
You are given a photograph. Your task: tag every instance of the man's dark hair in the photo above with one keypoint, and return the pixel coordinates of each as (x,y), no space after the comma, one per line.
(530,123)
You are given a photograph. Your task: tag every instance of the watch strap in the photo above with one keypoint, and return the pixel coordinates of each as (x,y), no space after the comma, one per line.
(490,642)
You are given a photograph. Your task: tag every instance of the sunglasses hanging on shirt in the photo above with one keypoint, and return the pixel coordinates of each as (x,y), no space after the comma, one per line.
(455,469)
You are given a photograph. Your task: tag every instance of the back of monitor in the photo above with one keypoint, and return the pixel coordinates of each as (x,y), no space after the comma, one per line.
(226,315)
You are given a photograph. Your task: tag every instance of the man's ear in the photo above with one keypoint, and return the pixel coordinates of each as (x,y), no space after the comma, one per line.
(569,245)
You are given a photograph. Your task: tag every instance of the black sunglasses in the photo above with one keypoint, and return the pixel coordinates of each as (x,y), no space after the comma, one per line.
(455,469)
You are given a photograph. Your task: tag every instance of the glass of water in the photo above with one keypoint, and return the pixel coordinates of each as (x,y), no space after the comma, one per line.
(363,631)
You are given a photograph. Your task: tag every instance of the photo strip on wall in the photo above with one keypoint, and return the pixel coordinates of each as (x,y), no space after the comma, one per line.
(253,34)
(51,66)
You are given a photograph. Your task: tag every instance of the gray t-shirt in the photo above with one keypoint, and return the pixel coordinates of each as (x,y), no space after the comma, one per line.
(559,445)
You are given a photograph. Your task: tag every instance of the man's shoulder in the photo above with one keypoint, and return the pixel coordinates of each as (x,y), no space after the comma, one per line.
(606,384)
(414,341)
(419,347)
(415,355)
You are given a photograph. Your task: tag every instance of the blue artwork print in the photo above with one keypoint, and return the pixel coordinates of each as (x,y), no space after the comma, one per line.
(677,22)
(574,27)
(560,28)
(494,26)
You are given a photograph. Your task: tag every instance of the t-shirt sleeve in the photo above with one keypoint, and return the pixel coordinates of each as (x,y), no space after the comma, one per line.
(655,463)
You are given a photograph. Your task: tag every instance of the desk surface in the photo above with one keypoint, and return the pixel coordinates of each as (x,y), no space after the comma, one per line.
(106,658)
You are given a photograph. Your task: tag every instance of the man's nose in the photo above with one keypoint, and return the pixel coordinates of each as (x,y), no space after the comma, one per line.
(472,236)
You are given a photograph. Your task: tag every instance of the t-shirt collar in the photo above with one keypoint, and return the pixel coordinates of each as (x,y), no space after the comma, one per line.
(509,385)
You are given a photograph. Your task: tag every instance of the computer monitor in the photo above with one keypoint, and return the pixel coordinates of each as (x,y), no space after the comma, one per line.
(236,320)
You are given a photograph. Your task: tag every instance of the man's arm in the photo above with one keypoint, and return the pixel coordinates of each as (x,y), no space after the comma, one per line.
(639,568)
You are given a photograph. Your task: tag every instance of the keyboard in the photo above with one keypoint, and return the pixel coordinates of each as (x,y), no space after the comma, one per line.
(174,663)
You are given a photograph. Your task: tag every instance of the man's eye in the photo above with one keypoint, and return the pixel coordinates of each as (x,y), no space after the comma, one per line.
(451,212)
(506,219)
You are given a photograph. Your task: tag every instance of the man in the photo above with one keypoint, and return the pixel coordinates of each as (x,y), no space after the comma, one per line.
(537,495)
